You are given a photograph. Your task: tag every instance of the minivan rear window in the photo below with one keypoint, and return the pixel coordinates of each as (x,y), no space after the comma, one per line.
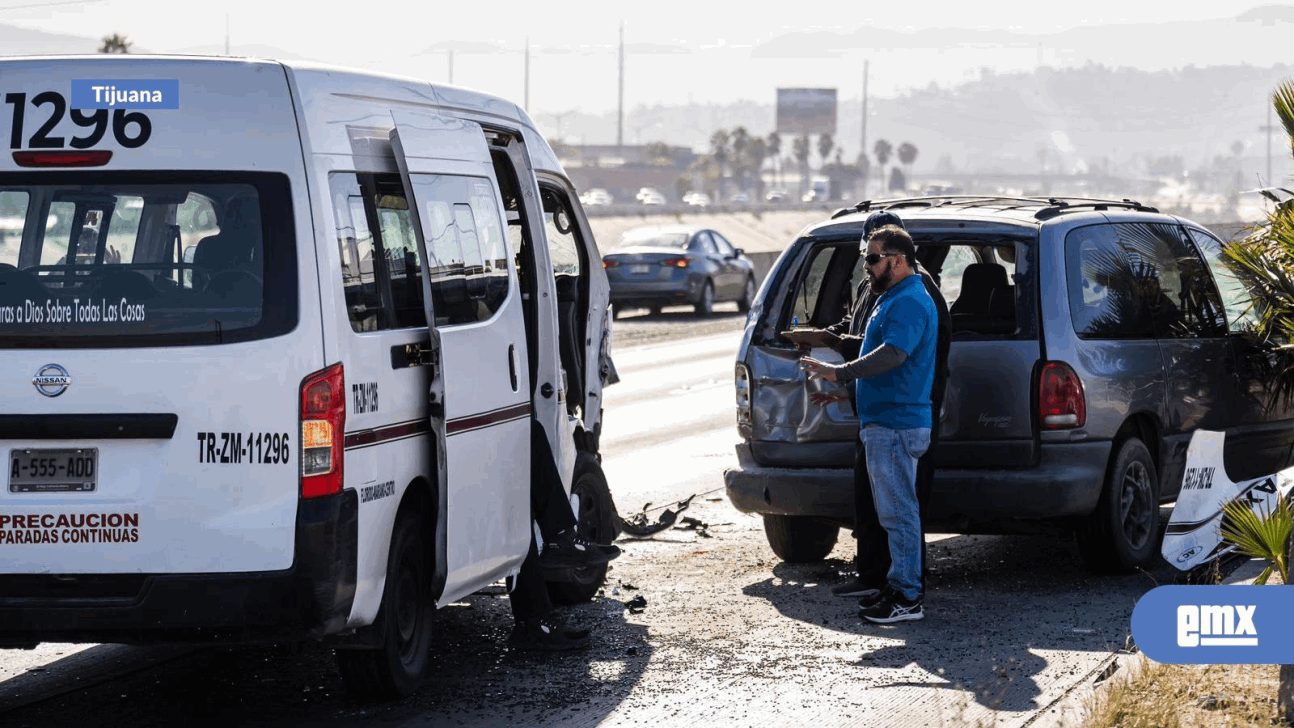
(145,259)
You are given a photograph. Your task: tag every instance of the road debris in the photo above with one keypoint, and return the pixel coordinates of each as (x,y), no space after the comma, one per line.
(637,525)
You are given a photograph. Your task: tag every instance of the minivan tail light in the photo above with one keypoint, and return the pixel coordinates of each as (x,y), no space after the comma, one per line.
(1061,402)
(744,415)
(675,262)
(609,263)
(323,432)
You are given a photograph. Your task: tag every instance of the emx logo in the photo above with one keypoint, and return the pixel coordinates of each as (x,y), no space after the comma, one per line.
(1216,624)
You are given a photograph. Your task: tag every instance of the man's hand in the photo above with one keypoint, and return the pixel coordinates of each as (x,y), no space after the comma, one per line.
(815,368)
(809,338)
(822,399)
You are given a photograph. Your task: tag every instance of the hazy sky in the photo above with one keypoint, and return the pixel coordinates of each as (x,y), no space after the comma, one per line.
(680,50)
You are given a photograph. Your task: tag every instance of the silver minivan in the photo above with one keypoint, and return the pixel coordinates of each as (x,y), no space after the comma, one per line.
(1090,338)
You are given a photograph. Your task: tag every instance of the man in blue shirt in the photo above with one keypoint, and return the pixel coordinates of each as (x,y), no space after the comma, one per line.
(893,377)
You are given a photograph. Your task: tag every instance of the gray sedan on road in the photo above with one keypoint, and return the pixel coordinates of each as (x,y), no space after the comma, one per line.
(671,265)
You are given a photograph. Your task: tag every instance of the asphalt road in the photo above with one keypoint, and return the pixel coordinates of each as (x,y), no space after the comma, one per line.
(728,635)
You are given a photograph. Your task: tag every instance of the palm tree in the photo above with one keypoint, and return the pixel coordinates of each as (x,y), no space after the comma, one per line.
(825,145)
(740,143)
(907,155)
(800,149)
(882,150)
(115,43)
(757,153)
(719,152)
(1264,264)
(775,150)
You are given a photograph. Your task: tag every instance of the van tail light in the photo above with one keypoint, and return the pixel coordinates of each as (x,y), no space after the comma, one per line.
(744,416)
(1061,402)
(674,262)
(323,432)
(609,263)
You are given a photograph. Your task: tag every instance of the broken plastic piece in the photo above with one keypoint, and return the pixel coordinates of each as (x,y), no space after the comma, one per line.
(637,604)
(637,525)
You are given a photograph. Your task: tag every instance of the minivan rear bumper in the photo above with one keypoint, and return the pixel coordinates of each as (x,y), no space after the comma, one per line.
(1071,475)
(311,598)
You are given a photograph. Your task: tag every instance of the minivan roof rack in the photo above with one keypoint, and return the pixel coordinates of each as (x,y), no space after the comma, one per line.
(1050,206)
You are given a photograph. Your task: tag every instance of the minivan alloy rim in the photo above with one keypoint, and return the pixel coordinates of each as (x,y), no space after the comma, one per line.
(1134,504)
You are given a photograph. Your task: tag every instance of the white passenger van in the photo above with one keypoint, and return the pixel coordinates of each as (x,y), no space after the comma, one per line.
(284,347)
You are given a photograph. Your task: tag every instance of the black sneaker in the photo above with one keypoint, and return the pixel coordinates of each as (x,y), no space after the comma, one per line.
(891,607)
(541,633)
(573,551)
(856,587)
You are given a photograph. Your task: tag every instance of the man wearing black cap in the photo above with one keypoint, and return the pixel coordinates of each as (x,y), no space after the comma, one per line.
(873,554)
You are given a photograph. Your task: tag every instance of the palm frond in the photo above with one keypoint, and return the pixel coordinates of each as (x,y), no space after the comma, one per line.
(1261,535)
(1283,103)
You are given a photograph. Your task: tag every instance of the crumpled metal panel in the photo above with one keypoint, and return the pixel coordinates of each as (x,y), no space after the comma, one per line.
(780,401)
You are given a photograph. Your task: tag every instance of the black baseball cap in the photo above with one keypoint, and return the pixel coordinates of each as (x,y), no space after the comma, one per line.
(880,219)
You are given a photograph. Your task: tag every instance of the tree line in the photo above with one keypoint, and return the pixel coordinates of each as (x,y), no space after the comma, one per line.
(739,158)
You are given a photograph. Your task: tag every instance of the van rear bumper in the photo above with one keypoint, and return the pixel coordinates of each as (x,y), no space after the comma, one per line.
(310,599)
(1066,482)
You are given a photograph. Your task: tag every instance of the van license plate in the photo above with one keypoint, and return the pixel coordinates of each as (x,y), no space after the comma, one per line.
(53,471)
(639,269)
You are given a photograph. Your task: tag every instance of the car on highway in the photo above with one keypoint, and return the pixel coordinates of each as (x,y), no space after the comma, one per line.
(696,199)
(656,266)
(650,196)
(1090,338)
(596,197)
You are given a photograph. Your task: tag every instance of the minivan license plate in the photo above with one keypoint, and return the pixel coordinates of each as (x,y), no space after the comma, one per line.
(53,471)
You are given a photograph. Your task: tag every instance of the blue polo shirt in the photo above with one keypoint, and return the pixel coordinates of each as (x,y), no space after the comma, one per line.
(904,317)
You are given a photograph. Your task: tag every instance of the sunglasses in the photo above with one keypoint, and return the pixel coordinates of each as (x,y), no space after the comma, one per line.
(874,258)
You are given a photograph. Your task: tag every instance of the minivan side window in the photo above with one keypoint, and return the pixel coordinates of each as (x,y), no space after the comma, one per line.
(1107,299)
(1173,279)
(1235,299)
(806,295)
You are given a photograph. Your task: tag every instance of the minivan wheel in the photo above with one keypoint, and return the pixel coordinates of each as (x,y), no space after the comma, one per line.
(1122,534)
(596,521)
(394,670)
(705,306)
(800,539)
(747,297)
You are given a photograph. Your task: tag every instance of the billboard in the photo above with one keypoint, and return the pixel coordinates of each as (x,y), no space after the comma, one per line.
(806,111)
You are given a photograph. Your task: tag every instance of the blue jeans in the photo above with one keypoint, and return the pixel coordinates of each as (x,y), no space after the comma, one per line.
(892,467)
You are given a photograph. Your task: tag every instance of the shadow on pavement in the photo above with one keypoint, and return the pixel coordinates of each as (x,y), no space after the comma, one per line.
(474,678)
(994,607)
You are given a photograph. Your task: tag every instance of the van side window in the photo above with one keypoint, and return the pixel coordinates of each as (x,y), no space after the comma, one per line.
(1107,298)
(468,259)
(1173,279)
(1235,299)
(13,214)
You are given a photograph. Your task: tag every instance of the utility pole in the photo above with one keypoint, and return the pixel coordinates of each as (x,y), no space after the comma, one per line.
(451,65)
(226,33)
(527,107)
(620,116)
(862,147)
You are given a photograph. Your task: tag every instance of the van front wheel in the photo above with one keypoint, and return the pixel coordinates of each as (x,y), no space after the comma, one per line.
(595,521)
(800,539)
(1122,534)
(394,670)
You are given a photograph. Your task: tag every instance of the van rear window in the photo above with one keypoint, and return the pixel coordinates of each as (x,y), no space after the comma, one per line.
(145,259)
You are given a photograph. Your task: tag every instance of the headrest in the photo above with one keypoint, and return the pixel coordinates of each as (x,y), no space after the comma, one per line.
(984,275)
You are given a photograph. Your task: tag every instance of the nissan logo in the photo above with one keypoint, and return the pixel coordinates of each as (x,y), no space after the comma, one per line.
(52,380)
